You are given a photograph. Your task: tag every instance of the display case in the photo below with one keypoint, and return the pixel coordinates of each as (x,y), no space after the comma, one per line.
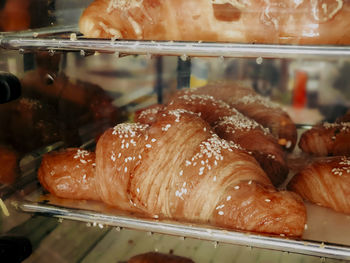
(74,88)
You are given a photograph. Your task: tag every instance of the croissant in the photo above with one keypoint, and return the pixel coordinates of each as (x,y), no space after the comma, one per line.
(154,257)
(325,182)
(256,107)
(230,125)
(256,21)
(178,168)
(327,139)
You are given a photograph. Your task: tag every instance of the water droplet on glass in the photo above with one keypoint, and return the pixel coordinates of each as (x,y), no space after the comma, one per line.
(259,60)
(184,57)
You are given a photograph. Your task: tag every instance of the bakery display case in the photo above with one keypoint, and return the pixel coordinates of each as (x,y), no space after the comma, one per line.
(64,87)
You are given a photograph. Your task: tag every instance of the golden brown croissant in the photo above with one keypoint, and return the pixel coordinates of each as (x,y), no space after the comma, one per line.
(153,257)
(325,182)
(327,139)
(256,107)
(230,125)
(178,168)
(256,21)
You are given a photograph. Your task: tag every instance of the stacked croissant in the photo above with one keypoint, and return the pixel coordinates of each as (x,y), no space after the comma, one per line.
(325,180)
(196,159)
(253,21)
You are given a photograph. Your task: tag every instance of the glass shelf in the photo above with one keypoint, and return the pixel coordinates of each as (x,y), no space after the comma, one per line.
(64,39)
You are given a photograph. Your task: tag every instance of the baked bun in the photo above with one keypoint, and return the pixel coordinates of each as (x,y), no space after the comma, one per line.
(255,21)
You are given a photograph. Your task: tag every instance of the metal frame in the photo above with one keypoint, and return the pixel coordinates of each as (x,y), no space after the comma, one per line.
(58,38)
(312,248)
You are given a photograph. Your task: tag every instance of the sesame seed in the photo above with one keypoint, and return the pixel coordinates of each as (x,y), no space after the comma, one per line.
(221,213)
(81,154)
(119,155)
(220,207)
(267,200)
(228,198)
(148,145)
(214,179)
(138,190)
(125,169)
(257,99)
(181,172)
(153,140)
(236,187)
(83,161)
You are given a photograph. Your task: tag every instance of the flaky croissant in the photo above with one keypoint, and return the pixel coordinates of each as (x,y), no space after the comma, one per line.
(256,107)
(178,168)
(254,21)
(230,125)
(326,182)
(327,139)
